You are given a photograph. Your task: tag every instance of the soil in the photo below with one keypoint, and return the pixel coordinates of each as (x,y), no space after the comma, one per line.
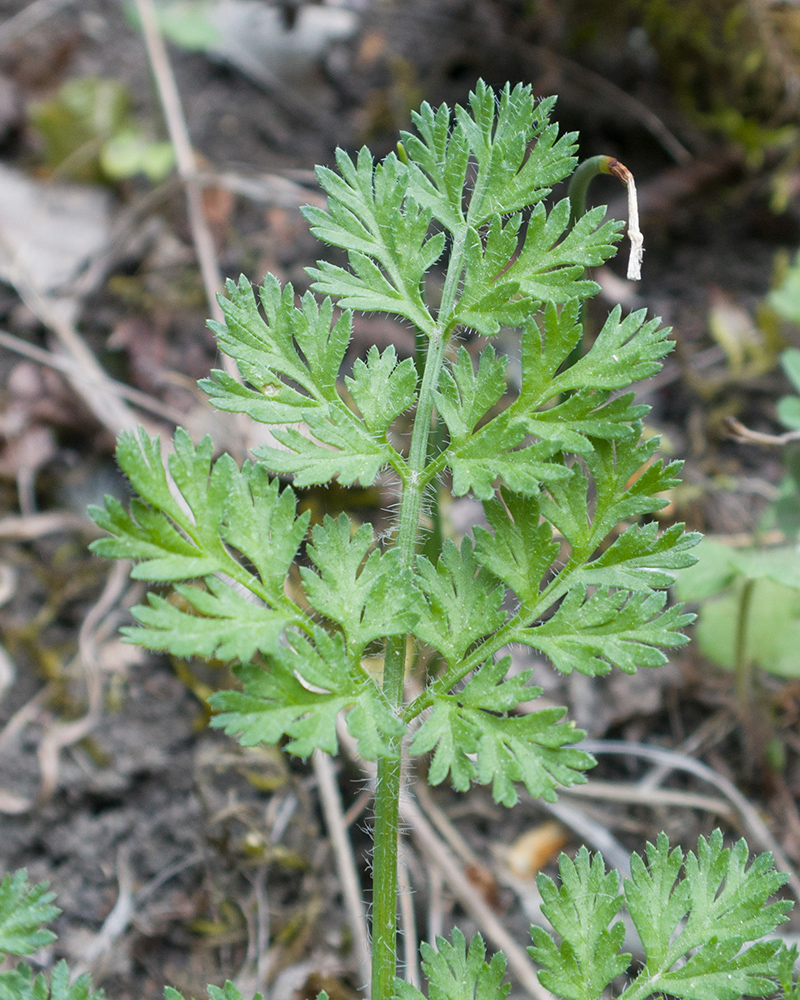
(176,854)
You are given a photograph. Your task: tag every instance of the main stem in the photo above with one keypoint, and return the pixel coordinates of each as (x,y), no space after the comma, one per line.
(389,773)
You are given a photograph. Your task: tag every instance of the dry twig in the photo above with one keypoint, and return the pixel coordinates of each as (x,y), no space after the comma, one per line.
(64,734)
(184,155)
(346,866)
(754,826)
(744,435)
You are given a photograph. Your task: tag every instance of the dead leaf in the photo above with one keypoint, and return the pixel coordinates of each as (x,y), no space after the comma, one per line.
(535,849)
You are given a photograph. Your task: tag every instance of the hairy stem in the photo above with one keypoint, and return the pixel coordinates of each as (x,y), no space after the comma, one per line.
(384,873)
(387,788)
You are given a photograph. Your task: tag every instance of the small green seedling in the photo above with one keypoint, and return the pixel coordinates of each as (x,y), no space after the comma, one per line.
(750,612)
(558,465)
(89,133)
(750,597)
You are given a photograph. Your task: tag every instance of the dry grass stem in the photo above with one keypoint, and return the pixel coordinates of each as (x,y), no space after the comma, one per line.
(74,370)
(617,791)
(755,828)
(184,155)
(345,862)
(471,899)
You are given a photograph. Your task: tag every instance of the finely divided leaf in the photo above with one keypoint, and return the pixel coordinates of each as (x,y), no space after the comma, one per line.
(229,992)
(580,911)
(344,448)
(592,634)
(463,601)
(495,452)
(487,300)
(260,523)
(625,351)
(707,916)
(465,396)
(582,417)
(518,155)
(23,911)
(370,596)
(722,972)
(455,973)
(385,232)
(472,742)
(521,550)
(441,156)
(179,532)
(627,483)
(232,528)
(551,263)
(657,901)
(214,622)
(512,174)
(381,388)
(21,985)
(300,694)
(290,358)
(784,964)
(545,349)
(641,558)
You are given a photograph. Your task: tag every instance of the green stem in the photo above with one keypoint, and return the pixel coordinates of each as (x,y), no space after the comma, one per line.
(384,873)
(743,668)
(387,788)
(580,181)
(744,672)
(578,187)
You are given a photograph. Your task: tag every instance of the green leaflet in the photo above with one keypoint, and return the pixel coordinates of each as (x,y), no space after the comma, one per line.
(694,924)
(465,396)
(624,350)
(521,550)
(382,388)
(457,973)
(370,596)
(725,905)
(182,536)
(552,260)
(528,749)
(641,558)
(512,174)
(300,694)
(234,530)
(229,992)
(545,347)
(463,601)
(497,451)
(591,634)
(23,910)
(290,358)
(347,451)
(384,232)
(216,623)
(582,417)
(488,301)
(580,911)
(625,487)
(784,965)
(21,985)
